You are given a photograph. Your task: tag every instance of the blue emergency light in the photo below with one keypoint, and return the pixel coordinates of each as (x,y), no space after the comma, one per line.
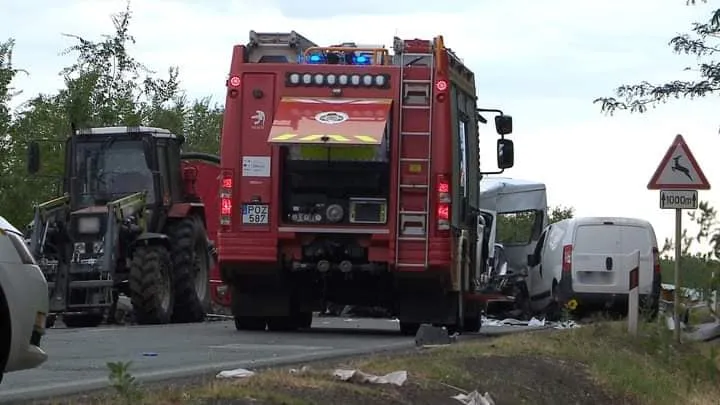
(361,60)
(315,59)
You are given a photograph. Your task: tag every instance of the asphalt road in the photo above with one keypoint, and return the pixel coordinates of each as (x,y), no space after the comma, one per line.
(78,357)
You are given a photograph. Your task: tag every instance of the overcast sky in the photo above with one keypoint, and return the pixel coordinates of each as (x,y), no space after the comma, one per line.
(541,61)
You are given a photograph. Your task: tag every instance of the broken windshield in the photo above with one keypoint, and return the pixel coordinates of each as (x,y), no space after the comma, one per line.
(107,170)
(519,228)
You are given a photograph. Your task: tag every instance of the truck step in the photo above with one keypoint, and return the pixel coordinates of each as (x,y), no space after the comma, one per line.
(416,107)
(407,133)
(413,212)
(414,186)
(412,238)
(417,81)
(423,160)
(416,265)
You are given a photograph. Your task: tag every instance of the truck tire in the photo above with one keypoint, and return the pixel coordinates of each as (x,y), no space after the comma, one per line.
(191,271)
(254,323)
(151,288)
(82,320)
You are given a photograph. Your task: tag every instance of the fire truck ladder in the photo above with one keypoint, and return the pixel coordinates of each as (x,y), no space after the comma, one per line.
(417,70)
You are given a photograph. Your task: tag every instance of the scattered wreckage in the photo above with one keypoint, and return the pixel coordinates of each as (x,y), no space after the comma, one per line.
(514,213)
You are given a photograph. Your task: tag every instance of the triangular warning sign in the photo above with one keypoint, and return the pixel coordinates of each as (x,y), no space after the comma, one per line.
(679,170)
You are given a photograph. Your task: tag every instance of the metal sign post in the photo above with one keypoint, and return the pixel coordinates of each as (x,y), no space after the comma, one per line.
(678,177)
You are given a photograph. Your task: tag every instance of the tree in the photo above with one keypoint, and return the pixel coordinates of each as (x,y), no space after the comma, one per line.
(696,269)
(560,212)
(105,86)
(704,43)
(517,227)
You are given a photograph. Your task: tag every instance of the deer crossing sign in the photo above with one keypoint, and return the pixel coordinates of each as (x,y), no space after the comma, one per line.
(678,170)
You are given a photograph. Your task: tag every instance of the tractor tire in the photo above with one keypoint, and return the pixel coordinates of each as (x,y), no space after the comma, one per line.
(151,288)
(82,320)
(191,270)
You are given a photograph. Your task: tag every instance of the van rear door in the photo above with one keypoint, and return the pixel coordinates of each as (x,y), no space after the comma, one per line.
(603,255)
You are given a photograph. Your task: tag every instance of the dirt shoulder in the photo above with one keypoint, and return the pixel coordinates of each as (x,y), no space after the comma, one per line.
(596,364)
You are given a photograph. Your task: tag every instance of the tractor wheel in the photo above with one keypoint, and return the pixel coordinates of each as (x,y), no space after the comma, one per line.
(191,270)
(151,289)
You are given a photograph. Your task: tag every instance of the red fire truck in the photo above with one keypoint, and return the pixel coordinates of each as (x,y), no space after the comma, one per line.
(350,175)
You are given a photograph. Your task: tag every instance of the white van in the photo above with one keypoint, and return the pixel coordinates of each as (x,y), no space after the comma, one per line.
(589,260)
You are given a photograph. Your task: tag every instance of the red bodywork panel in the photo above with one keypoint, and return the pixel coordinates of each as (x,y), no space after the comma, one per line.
(262,110)
(206,186)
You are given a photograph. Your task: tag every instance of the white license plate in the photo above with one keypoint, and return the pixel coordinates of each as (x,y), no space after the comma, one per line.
(255,213)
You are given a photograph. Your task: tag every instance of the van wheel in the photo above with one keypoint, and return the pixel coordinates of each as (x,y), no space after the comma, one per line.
(554,311)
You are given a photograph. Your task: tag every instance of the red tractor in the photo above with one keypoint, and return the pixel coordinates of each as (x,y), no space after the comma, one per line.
(130,220)
(351,175)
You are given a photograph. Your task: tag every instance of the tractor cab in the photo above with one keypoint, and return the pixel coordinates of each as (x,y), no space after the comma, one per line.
(109,163)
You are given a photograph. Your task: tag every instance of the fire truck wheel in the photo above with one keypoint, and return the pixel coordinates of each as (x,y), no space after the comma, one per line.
(191,271)
(151,290)
(249,323)
(471,324)
(304,320)
(409,328)
(282,323)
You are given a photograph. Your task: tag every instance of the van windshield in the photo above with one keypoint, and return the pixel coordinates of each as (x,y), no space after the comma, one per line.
(519,228)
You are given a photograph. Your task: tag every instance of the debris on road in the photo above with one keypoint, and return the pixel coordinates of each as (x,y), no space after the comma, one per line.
(704,332)
(396,377)
(302,369)
(236,373)
(475,398)
(429,336)
(532,323)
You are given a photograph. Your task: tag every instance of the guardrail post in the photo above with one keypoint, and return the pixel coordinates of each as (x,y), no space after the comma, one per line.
(634,295)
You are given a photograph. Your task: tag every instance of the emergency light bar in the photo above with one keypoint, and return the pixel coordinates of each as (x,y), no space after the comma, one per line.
(294,79)
(345,55)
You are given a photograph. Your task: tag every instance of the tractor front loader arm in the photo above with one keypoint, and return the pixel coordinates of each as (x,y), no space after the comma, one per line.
(128,211)
(55,210)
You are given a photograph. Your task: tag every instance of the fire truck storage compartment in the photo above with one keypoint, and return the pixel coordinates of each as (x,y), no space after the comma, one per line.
(333,191)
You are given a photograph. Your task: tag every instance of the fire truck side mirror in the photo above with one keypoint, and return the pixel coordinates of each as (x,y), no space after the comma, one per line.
(503,124)
(505,154)
(33,157)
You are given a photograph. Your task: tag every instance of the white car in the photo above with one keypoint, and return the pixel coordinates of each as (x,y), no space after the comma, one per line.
(23,303)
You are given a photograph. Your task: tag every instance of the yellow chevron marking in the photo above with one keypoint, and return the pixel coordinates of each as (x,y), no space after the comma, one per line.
(284,137)
(365,138)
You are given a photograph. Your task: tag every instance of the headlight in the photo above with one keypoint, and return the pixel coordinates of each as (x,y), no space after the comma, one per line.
(88,225)
(355,80)
(367,80)
(343,80)
(380,80)
(79,248)
(319,79)
(307,78)
(295,78)
(331,79)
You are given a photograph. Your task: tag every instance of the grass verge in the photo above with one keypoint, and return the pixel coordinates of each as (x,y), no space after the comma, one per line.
(595,364)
